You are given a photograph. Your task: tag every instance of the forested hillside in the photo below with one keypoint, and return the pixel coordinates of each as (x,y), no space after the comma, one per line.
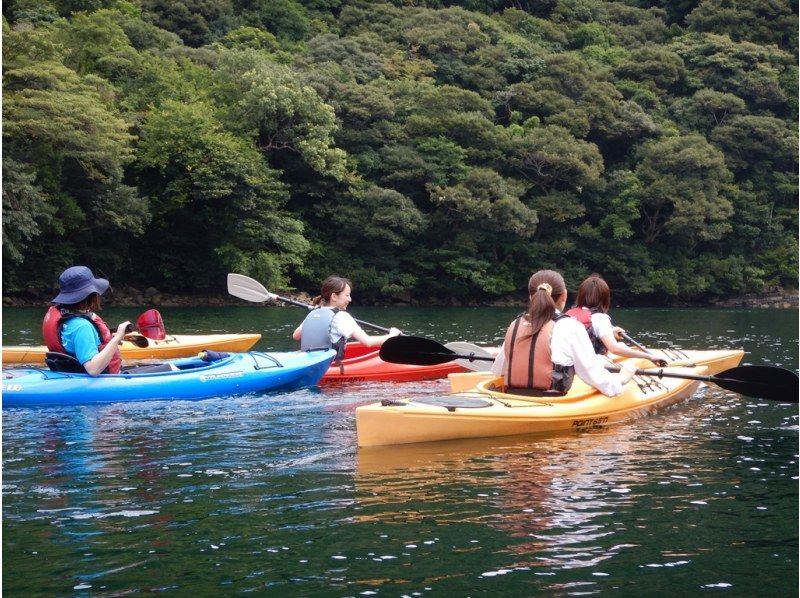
(428,150)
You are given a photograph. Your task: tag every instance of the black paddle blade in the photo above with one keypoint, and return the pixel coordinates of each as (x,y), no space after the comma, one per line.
(415,350)
(138,340)
(760,381)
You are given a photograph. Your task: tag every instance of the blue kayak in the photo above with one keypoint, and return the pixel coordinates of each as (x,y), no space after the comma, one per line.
(236,373)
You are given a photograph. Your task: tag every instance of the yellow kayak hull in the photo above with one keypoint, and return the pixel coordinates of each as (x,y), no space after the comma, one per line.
(175,345)
(493,413)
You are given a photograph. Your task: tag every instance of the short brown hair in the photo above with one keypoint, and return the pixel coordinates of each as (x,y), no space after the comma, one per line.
(594,294)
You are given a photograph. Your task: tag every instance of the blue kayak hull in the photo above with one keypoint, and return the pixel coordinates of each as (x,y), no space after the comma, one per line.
(239,373)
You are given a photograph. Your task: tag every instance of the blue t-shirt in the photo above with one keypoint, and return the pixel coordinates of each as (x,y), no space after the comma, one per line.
(80,338)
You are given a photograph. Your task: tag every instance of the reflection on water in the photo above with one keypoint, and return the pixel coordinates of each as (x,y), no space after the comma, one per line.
(633,497)
(269,494)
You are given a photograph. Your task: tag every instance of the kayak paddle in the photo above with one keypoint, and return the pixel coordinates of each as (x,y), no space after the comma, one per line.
(761,381)
(137,339)
(474,351)
(246,288)
(132,336)
(625,336)
(416,350)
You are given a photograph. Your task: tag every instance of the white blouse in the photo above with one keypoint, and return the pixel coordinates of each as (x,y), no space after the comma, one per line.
(342,325)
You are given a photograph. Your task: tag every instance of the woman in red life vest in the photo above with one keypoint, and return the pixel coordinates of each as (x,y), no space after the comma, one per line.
(591,310)
(70,326)
(543,348)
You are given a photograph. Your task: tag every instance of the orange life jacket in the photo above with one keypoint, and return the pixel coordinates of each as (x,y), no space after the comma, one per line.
(51,331)
(528,361)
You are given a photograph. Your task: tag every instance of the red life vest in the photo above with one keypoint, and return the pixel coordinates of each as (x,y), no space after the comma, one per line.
(584,316)
(51,331)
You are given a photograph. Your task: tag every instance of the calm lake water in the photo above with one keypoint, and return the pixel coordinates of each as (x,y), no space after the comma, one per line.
(269,494)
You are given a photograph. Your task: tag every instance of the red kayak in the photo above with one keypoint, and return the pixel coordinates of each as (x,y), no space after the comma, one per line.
(362,364)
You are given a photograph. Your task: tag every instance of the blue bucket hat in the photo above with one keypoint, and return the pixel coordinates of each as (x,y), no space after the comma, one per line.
(77,283)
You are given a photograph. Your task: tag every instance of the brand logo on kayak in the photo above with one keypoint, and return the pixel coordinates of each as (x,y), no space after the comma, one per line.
(206,377)
(11,387)
(590,422)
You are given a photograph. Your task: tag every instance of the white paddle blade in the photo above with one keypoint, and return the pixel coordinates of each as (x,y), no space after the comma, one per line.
(248,289)
(467,348)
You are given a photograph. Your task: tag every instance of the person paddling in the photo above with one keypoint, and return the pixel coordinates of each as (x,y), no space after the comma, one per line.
(544,349)
(591,309)
(71,325)
(329,325)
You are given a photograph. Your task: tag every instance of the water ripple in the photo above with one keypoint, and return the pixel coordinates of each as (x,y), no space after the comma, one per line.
(268,494)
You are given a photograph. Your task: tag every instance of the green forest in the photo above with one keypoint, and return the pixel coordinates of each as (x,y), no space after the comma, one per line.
(431,151)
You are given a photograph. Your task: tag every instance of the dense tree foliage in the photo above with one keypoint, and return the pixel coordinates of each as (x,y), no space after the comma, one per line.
(431,150)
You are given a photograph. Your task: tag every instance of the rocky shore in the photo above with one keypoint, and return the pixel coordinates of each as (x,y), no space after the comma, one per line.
(775,299)
(152,297)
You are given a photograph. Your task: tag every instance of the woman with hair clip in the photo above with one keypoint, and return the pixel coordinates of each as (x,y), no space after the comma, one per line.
(329,325)
(544,349)
(591,309)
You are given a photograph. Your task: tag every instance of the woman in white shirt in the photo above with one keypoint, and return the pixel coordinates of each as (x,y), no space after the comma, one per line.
(543,335)
(329,325)
(591,309)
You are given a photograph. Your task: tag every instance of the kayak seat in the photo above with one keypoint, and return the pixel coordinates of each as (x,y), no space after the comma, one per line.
(154,368)
(61,362)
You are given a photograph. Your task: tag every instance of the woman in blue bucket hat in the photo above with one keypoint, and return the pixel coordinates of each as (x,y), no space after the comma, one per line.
(72,327)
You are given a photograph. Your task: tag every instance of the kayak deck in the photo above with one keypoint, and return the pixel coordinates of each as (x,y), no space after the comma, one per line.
(193,379)
(363,364)
(478,409)
(175,345)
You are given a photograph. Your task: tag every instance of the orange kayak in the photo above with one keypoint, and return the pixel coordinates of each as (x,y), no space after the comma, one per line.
(363,364)
(175,345)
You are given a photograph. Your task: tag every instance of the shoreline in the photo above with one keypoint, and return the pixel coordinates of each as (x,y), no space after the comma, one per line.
(129,297)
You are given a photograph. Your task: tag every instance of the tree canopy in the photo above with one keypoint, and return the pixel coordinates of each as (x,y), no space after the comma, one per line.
(430,150)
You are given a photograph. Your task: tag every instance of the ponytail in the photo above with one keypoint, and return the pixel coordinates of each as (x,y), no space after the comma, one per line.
(543,288)
(331,285)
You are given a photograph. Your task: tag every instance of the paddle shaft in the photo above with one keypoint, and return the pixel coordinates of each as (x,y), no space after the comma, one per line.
(764,382)
(633,342)
(454,356)
(250,289)
(662,374)
(310,307)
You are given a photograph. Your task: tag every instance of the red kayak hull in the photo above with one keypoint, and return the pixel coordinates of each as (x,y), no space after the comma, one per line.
(363,364)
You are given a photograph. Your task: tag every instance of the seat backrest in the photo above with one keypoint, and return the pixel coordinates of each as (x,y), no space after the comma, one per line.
(61,362)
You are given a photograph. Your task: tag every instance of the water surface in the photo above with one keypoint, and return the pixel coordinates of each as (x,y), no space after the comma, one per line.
(268,494)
